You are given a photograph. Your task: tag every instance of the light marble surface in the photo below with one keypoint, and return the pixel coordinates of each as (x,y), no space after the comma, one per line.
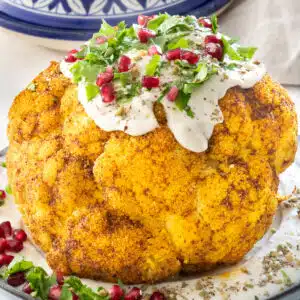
(20,61)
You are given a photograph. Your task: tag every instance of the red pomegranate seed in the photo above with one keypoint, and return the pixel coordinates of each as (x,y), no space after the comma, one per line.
(124,63)
(71,56)
(60,277)
(107,93)
(101,40)
(16,279)
(153,50)
(145,34)
(205,22)
(75,297)
(134,294)
(173,54)
(157,296)
(116,293)
(14,246)
(109,69)
(2,233)
(150,82)
(5,259)
(215,50)
(6,227)
(27,289)
(105,77)
(54,292)
(143,20)
(172,94)
(3,245)
(20,235)
(213,39)
(2,194)
(191,57)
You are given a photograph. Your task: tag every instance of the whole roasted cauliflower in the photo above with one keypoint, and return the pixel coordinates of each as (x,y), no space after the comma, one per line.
(108,205)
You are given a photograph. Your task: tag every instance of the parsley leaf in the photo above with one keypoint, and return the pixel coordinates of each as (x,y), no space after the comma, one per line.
(91,91)
(106,29)
(201,72)
(66,294)
(182,100)
(179,43)
(125,77)
(214,23)
(86,70)
(174,24)
(40,282)
(18,265)
(3,165)
(246,52)
(153,65)
(156,22)
(229,50)
(8,189)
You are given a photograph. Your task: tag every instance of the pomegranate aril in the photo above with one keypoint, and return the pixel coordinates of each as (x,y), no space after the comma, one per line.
(2,194)
(173,54)
(20,235)
(5,259)
(60,277)
(75,297)
(145,34)
(107,93)
(3,245)
(6,227)
(205,22)
(71,56)
(27,289)
(124,63)
(191,57)
(134,294)
(143,20)
(215,50)
(213,39)
(101,40)
(116,293)
(16,279)
(172,94)
(14,246)
(157,296)
(2,233)
(105,77)
(150,82)
(54,292)
(153,50)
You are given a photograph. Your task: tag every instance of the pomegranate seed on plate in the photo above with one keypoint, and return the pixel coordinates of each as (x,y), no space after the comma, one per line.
(6,227)
(54,292)
(71,56)
(60,277)
(124,63)
(143,20)
(157,296)
(215,50)
(14,246)
(101,40)
(172,94)
(5,259)
(173,54)
(150,82)
(116,293)
(153,50)
(205,22)
(103,78)
(2,233)
(16,279)
(191,57)
(27,289)
(2,194)
(107,93)
(213,39)
(145,34)
(75,297)
(20,235)
(134,294)
(3,245)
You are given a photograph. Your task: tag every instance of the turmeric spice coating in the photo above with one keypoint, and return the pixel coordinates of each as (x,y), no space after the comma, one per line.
(106,205)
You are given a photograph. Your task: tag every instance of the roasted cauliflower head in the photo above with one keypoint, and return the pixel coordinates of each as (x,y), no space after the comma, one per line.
(106,205)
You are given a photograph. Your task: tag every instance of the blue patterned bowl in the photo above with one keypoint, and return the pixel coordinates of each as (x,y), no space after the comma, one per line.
(78,19)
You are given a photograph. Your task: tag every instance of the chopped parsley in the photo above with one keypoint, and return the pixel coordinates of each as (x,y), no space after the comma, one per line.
(153,65)
(8,189)
(214,23)
(3,164)
(91,91)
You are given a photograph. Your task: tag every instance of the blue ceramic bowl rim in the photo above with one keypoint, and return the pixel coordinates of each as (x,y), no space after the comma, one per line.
(86,22)
(82,35)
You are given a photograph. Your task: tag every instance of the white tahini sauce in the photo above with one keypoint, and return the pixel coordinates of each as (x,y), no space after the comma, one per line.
(139,119)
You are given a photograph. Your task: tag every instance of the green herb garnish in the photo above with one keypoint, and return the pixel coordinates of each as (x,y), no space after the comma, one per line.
(156,22)
(229,50)
(214,23)
(3,164)
(31,87)
(8,189)
(153,65)
(286,279)
(246,52)
(91,91)
(180,43)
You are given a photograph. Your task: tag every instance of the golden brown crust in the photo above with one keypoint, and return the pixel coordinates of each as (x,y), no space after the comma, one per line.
(108,205)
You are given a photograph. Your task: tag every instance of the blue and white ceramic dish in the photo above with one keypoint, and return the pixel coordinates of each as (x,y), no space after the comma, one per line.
(78,19)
